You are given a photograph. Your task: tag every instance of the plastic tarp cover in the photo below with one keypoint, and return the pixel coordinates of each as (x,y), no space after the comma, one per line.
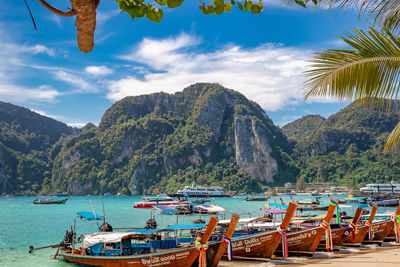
(88,215)
(185,226)
(105,237)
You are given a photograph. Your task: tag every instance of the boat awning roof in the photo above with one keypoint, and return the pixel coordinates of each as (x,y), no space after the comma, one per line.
(144,231)
(185,226)
(88,215)
(210,208)
(166,209)
(304,208)
(278,205)
(105,237)
(241,220)
(359,204)
(274,211)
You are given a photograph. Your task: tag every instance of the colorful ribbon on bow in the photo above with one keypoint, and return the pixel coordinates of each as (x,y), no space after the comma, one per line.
(202,249)
(371,230)
(229,242)
(336,204)
(328,236)
(396,226)
(352,228)
(285,252)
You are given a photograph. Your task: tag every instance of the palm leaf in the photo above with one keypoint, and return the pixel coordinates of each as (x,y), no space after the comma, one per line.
(393,139)
(386,13)
(369,73)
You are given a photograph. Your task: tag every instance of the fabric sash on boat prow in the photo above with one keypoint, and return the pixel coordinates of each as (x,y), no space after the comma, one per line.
(336,204)
(328,236)
(285,252)
(396,225)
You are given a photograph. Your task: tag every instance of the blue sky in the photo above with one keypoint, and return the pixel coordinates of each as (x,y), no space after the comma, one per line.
(262,56)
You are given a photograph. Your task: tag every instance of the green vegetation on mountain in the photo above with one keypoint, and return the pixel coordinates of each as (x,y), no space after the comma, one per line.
(26,138)
(205,134)
(347,148)
(302,127)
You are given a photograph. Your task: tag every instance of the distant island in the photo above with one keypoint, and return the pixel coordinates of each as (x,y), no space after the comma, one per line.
(206,134)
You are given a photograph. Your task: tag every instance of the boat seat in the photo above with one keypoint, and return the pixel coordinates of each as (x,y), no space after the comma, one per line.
(163,244)
(139,249)
(110,252)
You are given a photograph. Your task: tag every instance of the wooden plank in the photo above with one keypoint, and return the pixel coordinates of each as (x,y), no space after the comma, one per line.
(207,234)
(228,234)
(373,212)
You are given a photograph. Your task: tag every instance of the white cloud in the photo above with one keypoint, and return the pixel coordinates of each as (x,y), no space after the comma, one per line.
(14,93)
(269,74)
(99,70)
(37,49)
(80,84)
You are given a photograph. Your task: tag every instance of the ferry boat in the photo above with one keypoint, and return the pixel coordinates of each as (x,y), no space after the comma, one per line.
(149,202)
(199,191)
(381,188)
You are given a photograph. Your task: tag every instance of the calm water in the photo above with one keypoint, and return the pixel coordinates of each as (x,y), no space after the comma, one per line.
(23,224)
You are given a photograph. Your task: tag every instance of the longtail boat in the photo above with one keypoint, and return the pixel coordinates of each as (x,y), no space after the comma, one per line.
(262,244)
(306,241)
(383,227)
(362,230)
(47,201)
(340,234)
(128,255)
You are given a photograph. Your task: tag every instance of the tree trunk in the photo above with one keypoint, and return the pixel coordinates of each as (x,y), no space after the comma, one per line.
(85,22)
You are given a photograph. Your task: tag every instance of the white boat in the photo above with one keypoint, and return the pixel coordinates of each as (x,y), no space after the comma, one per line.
(381,188)
(200,191)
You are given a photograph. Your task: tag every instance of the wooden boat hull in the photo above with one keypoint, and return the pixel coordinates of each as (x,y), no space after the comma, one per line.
(361,232)
(61,201)
(172,258)
(303,242)
(339,235)
(254,245)
(382,229)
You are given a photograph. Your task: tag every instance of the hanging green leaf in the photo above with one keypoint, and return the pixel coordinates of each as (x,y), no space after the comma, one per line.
(248,5)
(174,3)
(257,8)
(240,5)
(155,14)
(219,9)
(227,7)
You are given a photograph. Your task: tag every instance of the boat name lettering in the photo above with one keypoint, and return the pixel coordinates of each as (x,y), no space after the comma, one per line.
(251,241)
(154,260)
(301,236)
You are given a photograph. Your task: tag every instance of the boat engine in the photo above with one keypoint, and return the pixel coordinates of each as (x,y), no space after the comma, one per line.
(151,224)
(106,227)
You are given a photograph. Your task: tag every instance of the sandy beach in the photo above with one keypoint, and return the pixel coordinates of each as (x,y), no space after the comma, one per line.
(369,256)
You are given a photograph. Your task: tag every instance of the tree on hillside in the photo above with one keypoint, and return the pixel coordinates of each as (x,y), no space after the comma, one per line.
(369,72)
(85,11)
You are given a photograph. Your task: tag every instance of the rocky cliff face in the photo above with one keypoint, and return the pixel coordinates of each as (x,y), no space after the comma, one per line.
(162,141)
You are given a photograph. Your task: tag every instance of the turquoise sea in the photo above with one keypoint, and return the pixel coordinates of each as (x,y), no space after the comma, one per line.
(23,224)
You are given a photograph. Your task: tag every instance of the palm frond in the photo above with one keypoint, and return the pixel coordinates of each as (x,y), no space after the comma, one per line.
(369,73)
(385,13)
(393,139)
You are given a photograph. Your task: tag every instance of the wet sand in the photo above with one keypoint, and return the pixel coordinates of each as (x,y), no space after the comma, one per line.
(369,256)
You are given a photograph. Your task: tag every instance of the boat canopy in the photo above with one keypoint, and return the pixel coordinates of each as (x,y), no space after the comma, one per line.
(278,205)
(242,220)
(88,215)
(210,208)
(274,211)
(359,204)
(144,231)
(185,226)
(165,209)
(106,237)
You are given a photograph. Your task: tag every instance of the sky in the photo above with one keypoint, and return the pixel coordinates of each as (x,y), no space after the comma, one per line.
(262,56)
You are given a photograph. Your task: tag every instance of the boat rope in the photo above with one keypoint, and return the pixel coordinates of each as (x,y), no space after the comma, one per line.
(202,248)
(229,242)
(396,220)
(352,228)
(336,204)
(285,252)
(328,236)
(371,231)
